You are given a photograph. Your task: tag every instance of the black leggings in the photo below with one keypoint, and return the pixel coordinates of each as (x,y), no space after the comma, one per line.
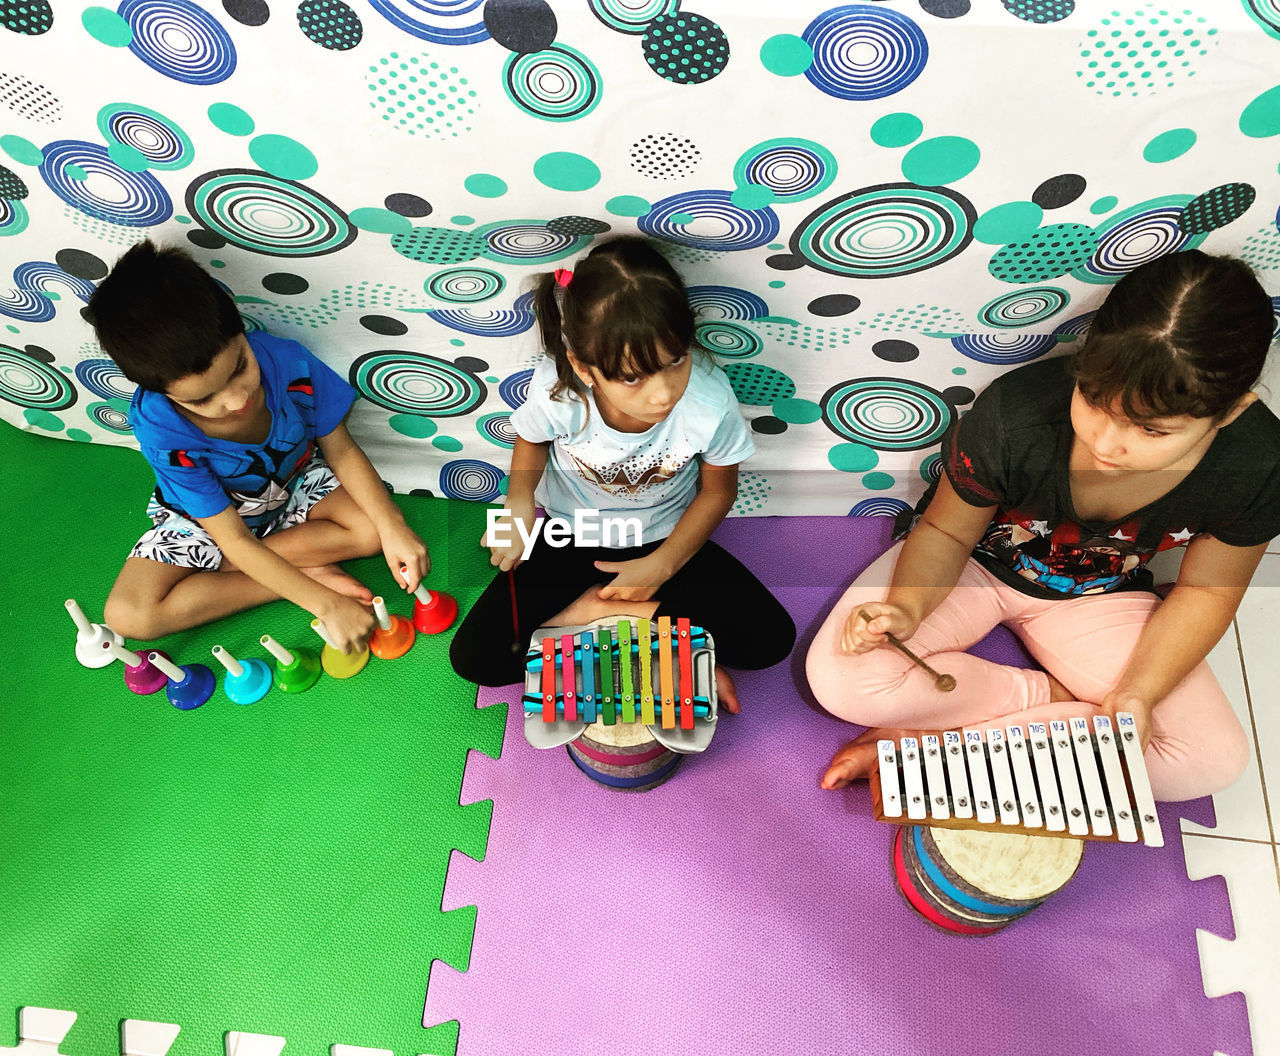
(714,590)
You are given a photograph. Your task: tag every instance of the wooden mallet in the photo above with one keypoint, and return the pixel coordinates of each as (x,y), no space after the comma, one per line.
(943,683)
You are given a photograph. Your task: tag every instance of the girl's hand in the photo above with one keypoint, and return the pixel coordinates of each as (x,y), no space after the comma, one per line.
(859,636)
(1118,700)
(510,554)
(637,580)
(347,623)
(403,548)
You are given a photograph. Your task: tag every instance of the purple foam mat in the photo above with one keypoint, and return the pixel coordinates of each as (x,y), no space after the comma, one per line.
(739,909)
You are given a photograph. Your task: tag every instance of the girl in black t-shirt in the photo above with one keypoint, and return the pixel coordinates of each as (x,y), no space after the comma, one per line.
(1059,485)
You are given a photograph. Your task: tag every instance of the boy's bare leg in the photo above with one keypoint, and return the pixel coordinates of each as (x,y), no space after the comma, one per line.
(151,599)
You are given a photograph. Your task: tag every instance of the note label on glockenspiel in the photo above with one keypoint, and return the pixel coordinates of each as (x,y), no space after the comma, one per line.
(890,793)
(953,752)
(913,779)
(1023,781)
(1095,799)
(935,777)
(1117,793)
(1002,777)
(1046,779)
(979,777)
(1144,801)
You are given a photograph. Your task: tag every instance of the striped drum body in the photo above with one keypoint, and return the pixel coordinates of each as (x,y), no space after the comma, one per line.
(976,881)
(624,756)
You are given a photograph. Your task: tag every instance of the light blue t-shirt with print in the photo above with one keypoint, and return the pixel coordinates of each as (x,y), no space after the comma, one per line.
(651,476)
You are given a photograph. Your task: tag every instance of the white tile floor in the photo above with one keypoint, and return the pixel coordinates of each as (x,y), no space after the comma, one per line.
(1243,847)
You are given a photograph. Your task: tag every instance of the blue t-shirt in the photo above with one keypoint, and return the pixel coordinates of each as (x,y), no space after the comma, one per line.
(200,476)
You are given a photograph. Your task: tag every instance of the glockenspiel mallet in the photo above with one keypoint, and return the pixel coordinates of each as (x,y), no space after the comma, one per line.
(943,683)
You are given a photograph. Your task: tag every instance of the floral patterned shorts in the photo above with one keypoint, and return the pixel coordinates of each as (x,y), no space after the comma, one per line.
(177,540)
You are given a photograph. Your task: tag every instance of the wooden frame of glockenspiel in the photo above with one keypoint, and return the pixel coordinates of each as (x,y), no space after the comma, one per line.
(1022,773)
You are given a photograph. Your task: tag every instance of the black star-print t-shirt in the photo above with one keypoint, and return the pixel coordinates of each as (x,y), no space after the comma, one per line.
(1012,450)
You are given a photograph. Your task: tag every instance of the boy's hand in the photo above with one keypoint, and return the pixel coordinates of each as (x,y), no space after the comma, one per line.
(637,580)
(861,637)
(404,549)
(509,554)
(347,623)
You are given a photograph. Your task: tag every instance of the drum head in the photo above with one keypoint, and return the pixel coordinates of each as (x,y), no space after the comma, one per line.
(1009,865)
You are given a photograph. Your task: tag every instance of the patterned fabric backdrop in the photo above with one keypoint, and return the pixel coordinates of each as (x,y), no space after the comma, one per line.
(877,206)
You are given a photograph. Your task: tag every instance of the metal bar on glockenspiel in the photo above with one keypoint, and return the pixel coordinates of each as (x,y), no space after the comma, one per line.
(1143,799)
(684,634)
(953,750)
(1095,799)
(890,786)
(935,780)
(912,779)
(587,650)
(1117,793)
(644,688)
(666,679)
(533,658)
(624,669)
(1023,779)
(1002,777)
(979,776)
(1068,778)
(1042,757)
(568,666)
(548,680)
(608,679)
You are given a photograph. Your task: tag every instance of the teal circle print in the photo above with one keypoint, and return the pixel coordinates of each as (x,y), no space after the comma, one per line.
(268,214)
(853,458)
(28,382)
(566,171)
(631,16)
(1261,118)
(757,385)
(685,48)
(890,229)
(793,169)
(786,55)
(161,142)
(896,130)
(1047,253)
(465,285)
(438,245)
(527,242)
(1137,235)
(889,414)
(1023,307)
(942,159)
(112,415)
(1169,145)
(497,429)
(1008,222)
(412,383)
(729,340)
(558,84)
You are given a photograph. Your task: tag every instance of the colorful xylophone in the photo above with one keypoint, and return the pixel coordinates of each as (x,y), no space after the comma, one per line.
(1063,778)
(660,673)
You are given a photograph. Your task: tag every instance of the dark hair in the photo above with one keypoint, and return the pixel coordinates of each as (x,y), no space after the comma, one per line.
(623,307)
(161,316)
(1186,333)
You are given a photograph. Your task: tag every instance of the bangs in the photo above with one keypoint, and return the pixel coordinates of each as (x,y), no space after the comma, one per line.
(1148,377)
(629,339)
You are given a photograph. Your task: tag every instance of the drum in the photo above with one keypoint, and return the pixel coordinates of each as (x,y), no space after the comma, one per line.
(978,881)
(624,756)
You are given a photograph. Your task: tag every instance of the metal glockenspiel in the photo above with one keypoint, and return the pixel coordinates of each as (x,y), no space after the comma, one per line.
(657,673)
(1069,777)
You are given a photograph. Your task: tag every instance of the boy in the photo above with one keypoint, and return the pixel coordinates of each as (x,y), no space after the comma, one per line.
(246,509)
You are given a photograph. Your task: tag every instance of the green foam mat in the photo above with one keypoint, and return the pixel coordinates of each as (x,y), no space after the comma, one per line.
(274,868)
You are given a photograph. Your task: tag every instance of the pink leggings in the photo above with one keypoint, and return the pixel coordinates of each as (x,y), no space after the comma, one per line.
(1197,744)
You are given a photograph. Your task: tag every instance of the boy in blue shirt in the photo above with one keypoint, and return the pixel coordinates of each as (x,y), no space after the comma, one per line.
(260,489)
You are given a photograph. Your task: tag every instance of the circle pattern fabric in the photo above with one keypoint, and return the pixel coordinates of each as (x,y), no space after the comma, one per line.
(408,383)
(889,414)
(180,40)
(268,215)
(863,52)
(891,229)
(29,383)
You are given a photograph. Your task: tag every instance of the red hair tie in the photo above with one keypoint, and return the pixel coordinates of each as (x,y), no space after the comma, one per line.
(563,277)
